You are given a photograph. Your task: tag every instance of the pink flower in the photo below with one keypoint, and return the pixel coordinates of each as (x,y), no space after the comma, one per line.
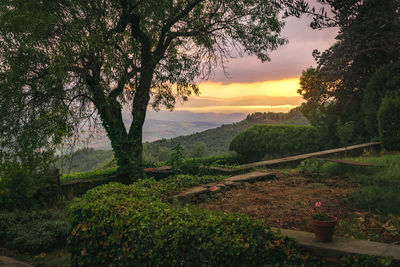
(312,211)
(318,204)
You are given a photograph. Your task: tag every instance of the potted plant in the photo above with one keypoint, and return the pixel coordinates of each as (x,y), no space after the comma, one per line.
(323,224)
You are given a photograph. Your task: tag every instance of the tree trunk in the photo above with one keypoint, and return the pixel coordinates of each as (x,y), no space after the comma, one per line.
(127,147)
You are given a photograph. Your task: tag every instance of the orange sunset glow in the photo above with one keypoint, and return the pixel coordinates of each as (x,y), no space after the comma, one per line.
(275,96)
(285,87)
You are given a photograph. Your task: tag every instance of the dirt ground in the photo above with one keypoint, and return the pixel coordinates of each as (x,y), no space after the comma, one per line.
(285,202)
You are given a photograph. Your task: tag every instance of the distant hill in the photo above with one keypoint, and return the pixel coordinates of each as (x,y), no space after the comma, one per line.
(202,143)
(216,141)
(85,159)
(166,124)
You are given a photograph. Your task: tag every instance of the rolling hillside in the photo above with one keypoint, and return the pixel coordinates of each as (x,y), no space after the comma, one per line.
(216,141)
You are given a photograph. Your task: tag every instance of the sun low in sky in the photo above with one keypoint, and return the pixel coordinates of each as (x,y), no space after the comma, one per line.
(252,86)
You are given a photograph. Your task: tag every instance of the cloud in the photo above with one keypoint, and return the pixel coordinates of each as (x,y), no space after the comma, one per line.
(287,61)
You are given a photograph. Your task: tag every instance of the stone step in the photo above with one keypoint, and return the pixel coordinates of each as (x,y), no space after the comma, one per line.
(342,246)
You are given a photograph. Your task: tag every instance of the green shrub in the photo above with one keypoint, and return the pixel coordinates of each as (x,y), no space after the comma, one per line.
(133,226)
(275,140)
(38,236)
(21,188)
(34,231)
(17,188)
(389,122)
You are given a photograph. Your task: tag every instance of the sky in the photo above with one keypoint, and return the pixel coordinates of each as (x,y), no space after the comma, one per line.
(271,86)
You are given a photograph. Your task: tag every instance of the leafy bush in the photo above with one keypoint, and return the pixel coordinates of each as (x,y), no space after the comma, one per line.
(389,122)
(275,140)
(177,158)
(34,231)
(135,226)
(38,236)
(16,187)
(21,188)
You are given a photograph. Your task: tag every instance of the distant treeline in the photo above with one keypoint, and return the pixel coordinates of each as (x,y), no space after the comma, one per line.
(293,115)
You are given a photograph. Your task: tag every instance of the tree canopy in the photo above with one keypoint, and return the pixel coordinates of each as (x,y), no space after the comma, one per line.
(62,59)
(368,38)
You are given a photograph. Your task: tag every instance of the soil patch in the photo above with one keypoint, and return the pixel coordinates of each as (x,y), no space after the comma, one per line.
(285,202)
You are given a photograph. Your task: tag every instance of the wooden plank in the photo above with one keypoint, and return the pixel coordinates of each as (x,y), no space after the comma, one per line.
(188,194)
(301,157)
(350,162)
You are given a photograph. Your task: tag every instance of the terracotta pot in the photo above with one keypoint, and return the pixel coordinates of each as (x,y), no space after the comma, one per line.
(324,229)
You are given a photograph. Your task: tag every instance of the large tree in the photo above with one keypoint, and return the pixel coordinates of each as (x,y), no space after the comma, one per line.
(59,58)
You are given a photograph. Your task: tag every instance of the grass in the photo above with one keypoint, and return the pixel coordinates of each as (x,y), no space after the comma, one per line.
(379,186)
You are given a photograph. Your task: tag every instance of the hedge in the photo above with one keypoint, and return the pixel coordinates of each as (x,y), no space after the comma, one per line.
(118,225)
(89,175)
(276,140)
(34,231)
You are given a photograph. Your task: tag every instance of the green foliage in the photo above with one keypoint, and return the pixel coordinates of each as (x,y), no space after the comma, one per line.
(389,122)
(385,80)
(177,158)
(21,188)
(34,231)
(145,48)
(154,153)
(199,150)
(345,132)
(294,116)
(217,140)
(383,199)
(276,140)
(337,89)
(38,236)
(134,226)
(16,187)
(96,174)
